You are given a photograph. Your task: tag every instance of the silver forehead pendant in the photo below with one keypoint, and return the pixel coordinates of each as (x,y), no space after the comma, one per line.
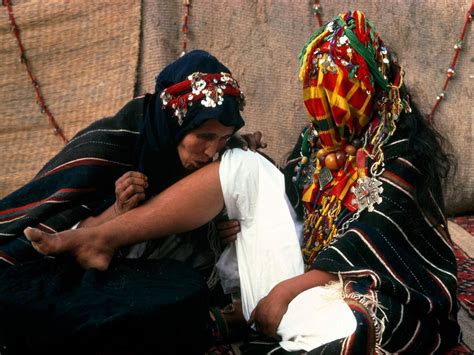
(367,193)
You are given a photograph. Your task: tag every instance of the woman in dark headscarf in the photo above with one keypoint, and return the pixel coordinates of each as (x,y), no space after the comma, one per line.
(105,170)
(148,135)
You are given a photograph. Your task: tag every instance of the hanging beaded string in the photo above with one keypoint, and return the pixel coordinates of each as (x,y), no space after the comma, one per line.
(23,59)
(185,27)
(317,12)
(451,70)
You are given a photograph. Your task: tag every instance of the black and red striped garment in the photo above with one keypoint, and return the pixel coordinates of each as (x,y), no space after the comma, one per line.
(53,305)
(78,182)
(398,266)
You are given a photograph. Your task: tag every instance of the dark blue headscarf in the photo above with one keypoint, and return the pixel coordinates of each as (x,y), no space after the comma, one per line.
(157,155)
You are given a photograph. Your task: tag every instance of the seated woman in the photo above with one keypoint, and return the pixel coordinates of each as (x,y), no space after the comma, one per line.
(370,181)
(111,167)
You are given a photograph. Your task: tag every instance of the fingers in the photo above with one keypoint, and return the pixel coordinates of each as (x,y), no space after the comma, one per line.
(238,141)
(264,318)
(130,190)
(255,140)
(227,230)
(135,200)
(261,325)
(259,141)
(131,178)
(131,175)
(252,141)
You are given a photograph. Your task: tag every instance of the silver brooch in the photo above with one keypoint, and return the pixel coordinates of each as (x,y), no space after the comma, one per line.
(367,193)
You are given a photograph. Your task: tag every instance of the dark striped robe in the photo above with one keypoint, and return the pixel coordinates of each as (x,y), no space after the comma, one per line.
(51,305)
(399,269)
(78,182)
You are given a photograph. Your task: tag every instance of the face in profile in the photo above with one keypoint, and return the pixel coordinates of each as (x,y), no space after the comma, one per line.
(199,146)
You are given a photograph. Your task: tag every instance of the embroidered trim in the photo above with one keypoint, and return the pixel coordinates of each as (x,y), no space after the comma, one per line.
(207,89)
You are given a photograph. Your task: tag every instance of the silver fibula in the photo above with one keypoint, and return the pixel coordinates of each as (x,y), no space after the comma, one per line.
(367,193)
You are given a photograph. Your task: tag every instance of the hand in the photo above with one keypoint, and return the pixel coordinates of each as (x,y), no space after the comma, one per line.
(245,141)
(269,311)
(227,230)
(129,191)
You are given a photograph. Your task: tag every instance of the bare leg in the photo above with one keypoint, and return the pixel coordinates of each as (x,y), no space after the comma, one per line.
(188,204)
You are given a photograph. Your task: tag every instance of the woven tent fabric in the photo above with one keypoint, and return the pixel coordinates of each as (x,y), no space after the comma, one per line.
(83,54)
(260,41)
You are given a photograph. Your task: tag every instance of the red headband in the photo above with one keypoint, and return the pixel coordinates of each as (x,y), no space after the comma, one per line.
(208,89)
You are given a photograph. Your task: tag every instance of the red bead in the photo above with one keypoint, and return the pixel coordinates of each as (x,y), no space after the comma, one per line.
(340,158)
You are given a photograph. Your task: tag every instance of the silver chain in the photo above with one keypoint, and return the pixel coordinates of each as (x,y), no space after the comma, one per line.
(345,226)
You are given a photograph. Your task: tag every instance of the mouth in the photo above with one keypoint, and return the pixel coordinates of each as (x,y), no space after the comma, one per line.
(199,164)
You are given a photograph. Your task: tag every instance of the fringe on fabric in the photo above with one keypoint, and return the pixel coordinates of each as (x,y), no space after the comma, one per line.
(372,305)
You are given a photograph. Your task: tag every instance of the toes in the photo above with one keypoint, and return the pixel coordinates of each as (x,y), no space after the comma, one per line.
(39,240)
(33,234)
(38,248)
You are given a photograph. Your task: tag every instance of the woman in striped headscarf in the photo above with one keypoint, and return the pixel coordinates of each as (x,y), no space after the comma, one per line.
(370,181)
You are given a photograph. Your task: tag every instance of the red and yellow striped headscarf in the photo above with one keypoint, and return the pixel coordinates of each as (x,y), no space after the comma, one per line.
(342,67)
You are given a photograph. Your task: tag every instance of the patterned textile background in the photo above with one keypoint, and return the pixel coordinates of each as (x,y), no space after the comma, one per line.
(84,54)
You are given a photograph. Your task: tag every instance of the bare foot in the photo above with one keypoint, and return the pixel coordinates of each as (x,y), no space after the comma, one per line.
(87,248)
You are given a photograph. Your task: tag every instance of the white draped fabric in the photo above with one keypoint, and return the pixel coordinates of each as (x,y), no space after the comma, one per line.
(268,251)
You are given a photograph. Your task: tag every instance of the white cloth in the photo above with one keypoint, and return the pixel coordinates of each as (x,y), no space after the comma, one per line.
(268,252)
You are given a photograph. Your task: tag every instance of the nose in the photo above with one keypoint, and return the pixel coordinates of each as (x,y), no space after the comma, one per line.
(212,148)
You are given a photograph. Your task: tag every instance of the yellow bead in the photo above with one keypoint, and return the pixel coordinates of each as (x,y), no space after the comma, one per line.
(350,149)
(331,161)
